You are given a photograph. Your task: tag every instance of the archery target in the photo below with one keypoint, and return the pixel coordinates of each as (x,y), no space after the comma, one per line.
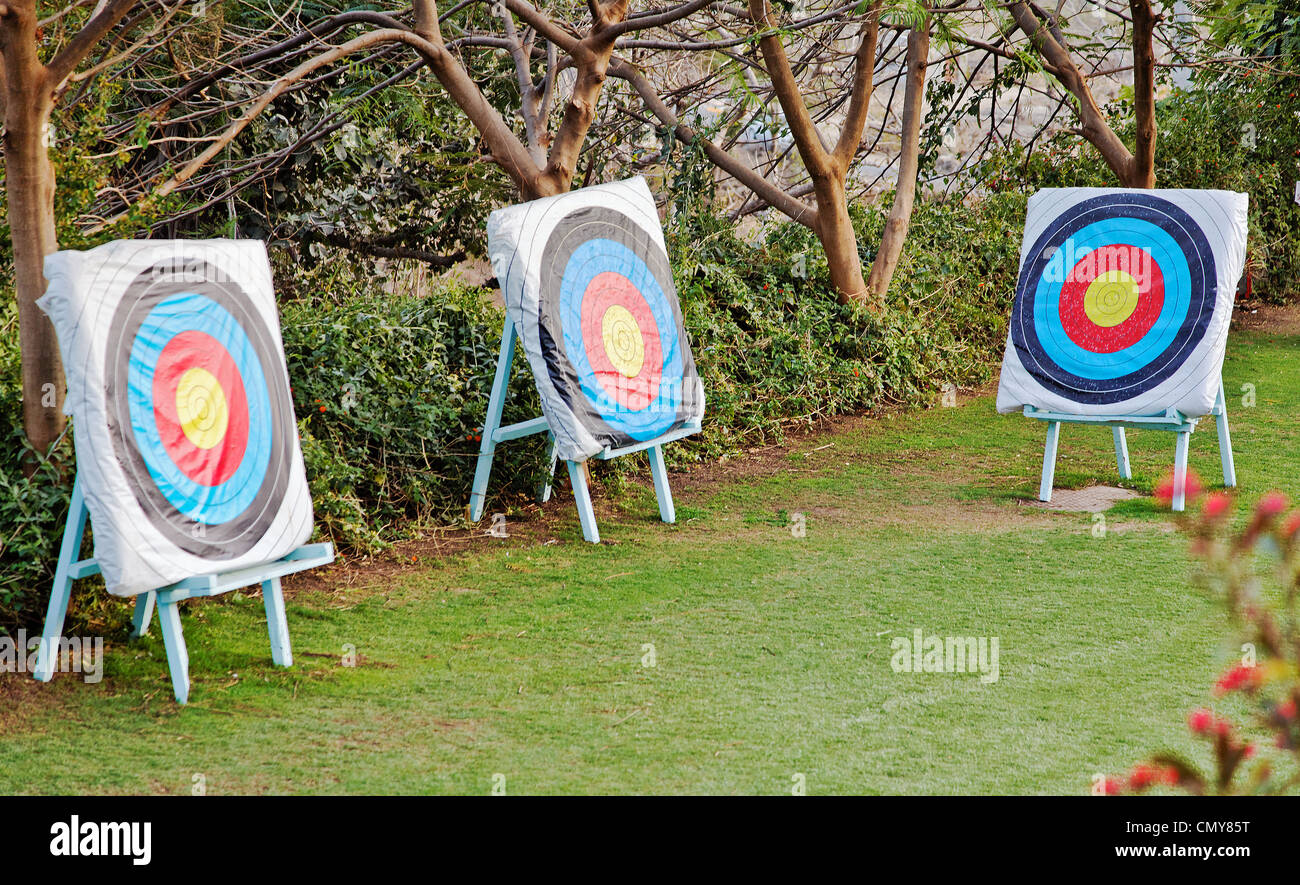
(1123,301)
(187,446)
(586,281)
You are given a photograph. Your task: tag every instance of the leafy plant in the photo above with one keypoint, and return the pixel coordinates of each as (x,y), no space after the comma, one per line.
(1255,573)
(391,393)
(32,508)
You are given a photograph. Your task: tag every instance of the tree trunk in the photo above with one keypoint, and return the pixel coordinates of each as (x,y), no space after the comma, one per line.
(1092,122)
(840,242)
(29,186)
(828,170)
(1143,168)
(579,114)
(900,214)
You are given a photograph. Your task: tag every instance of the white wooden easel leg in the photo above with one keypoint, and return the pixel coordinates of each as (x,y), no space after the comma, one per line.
(144,604)
(1049,461)
(1121,453)
(582,497)
(1180,471)
(276,623)
(178,657)
(496,405)
(664,494)
(48,651)
(1225,440)
(73,530)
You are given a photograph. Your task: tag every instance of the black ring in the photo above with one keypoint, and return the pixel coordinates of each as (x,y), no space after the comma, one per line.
(155,284)
(572,231)
(1189,237)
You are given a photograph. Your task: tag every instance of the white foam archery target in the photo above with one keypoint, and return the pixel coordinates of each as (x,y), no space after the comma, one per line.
(187,447)
(586,281)
(1123,301)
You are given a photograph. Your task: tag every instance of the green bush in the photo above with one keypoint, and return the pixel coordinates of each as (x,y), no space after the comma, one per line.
(774,346)
(32,508)
(391,393)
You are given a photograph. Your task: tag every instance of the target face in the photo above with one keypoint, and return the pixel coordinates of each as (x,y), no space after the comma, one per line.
(187,445)
(1118,299)
(1117,292)
(208,440)
(587,279)
(610,331)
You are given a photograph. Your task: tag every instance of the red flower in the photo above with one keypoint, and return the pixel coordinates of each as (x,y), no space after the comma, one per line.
(1292,525)
(1248,751)
(322,408)
(1192,488)
(1200,721)
(1286,709)
(1113,787)
(1165,492)
(1238,678)
(1143,776)
(1271,504)
(1216,505)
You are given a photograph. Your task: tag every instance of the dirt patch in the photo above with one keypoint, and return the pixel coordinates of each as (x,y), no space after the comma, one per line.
(20,695)
(1275,319)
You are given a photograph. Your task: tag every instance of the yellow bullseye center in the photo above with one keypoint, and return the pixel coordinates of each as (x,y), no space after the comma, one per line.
(201,407)
(622,338)
(1111,298)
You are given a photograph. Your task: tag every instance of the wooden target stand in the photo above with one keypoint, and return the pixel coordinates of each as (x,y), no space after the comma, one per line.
(494,433)
(70,568)
(1172,420)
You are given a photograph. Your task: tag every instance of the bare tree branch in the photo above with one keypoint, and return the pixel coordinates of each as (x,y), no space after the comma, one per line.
(76,50)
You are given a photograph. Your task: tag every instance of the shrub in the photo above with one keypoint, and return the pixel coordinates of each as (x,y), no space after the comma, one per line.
(32,508)
(774,346)
(391,393)
(1235,567)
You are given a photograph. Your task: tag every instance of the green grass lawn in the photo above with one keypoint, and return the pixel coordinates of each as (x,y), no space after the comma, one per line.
(528,663)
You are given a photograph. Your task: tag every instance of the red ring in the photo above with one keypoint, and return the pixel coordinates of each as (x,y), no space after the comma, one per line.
(604,291)
(1151,298)
(198,350)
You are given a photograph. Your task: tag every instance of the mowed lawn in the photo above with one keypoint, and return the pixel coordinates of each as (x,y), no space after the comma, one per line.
(723,654)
